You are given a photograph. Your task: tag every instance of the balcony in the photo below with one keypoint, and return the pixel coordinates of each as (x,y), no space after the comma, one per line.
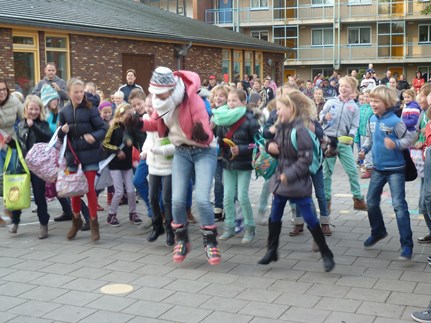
(408,53)
(354,10)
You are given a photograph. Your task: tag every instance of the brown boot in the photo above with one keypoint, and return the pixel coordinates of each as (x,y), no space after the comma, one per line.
(76,226)
(359,204)
(94,225)
(109,198)
(326,230)
(190,216)
(297,230)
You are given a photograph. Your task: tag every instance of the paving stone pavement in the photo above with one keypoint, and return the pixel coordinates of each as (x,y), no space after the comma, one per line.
(56,280)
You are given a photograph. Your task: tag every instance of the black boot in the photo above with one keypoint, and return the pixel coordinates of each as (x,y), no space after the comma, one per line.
(327,255)
(274,229)
(170,240)
(209,235)
(157,229)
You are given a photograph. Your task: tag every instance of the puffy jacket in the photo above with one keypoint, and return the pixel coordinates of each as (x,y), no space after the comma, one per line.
(113,140)
(28,136)
(243,137)
(83,120)
(293,163)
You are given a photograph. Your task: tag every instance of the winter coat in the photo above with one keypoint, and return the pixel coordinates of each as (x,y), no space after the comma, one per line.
(293,163)
(128,88)
(115,136)
(83,120)
(28,136)
(10,112)
(60,82)
(243,137)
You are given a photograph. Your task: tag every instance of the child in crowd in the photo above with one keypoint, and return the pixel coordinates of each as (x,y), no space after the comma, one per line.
(386,138)
(235,123)
(121,166)
(158,152)
(318,99)
(292,180)
(411,111)
(31,130)
(340,117)
(365,113)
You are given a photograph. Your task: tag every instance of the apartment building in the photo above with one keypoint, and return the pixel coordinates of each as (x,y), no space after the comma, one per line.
(331,34)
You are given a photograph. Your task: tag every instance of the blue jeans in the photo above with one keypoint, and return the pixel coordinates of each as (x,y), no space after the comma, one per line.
(397,183)
(425,195)
(187,162)
(305,205)
(218,185)
(141,184)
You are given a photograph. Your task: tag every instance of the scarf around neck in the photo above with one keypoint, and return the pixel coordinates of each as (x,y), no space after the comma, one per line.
(224,116)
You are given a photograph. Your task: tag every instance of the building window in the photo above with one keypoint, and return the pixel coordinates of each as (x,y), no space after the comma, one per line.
(237,63)
(26,61)
(322,37)
(424,33)
(322,2)
(258,4)
(426,70)
(260,34)
(359,36)
(226,64)
(248,63)
(57,51)
(355,2)
(258,64)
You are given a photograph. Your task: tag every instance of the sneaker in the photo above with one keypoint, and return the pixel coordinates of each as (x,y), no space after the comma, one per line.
(297,230)
(429,258)
(406,253)
(426,239)
(239,226)
(63,217)
(218,214)
(135,218)
(422,316)
(371,241)
(112,220)
(227,233)
(249,234)
(13,228)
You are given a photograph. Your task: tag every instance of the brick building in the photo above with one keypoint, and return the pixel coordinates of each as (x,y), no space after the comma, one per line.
(98,40)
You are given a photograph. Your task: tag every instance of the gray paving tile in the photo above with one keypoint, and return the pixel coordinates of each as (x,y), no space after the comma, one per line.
(338,304)
(224,304)
(258,295)
(396,285)
(368,294)
(107,317)
(186,299)
(296,299)
(408,299)
(84,284)
(28,319)
(23,276)
(151,294)
(77,298)
(298,314)
(353,281)
(34,308)
(9,302)
(7,317)
(221,290)
(381,309)
(337,317)
(271,311)
(189,274)
(227,317)
(68,313)
(153,270)
(52,280)
(147,309)
(43,293)
(183,285)
(153,281)
(185,314)
(7,262)
(15,288)
(60,269)
(111,303)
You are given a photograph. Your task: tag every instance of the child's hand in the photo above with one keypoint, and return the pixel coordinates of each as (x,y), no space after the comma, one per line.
(143,155)
(419,145)
(65,128)
(7,139)
(273,148)
(272,129)
(129,142)
(361,155)
(389,143)
(234,151)
(29,122)
(328,116)
(89,138)
(121,155)
(283,179)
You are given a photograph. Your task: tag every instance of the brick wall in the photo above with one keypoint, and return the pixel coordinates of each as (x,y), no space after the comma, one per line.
(6,57)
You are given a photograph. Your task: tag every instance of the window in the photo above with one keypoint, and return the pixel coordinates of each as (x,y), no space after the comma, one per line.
(57,51)
(424,33)
(226,61)
(425,72)
(237,62)
(258,4)
(248,63)
(356,2)
(26,61)
(261,34)
(359,36)
(258,64)
(390,36)
(322,2)
(322,37)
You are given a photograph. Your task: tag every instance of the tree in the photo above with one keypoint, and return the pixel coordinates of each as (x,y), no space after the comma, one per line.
(427,10)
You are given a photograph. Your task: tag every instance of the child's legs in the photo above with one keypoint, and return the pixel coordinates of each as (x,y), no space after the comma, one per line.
(263,199)
(308,211)
(218,185)
(230,178)
(155,185)
(345,155)
(375,216)
(422,207)
(117,180)
(426,191)
(398,192)
(38,186)
(244,177)
(319,191)
(189,195)
(368,161)
(130,189)
(167,197)
(328,170)
(182,170)
(277,208)
(91,195)
(141,183)
(65,205)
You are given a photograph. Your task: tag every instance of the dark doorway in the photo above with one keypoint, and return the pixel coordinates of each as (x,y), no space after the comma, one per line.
(143,65)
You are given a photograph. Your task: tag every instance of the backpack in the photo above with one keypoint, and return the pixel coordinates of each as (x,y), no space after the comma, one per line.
(317,150)
(263,163)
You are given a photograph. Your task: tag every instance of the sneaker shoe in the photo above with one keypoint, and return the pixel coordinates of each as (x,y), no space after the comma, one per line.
(112,220)
(239,226)
(227,233)
(297,230)
(249,233)
(218,214)
(429,258)
(135,218)
(13,228)
(372,240)
(426,239)
(406,253)
(422,316)
(63,217)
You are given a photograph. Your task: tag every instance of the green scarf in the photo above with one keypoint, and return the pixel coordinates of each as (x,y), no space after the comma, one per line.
(224,116)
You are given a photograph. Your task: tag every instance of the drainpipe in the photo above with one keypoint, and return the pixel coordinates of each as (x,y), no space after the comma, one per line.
(182,52)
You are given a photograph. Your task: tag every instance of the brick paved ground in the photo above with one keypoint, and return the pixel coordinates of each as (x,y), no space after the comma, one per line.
(56,280)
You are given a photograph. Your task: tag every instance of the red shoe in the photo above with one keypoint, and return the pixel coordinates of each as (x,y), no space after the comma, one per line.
(366,175)
(99,208)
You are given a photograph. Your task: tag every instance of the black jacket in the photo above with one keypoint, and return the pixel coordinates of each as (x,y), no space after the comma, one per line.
(112,142)
(243,137)
(83,120)
(27,137)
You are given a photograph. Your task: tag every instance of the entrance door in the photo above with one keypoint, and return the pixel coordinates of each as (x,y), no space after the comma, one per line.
(143,65)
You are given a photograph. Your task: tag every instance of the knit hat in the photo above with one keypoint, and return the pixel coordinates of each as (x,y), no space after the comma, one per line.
(104,104)
(47,94)
(162,81)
